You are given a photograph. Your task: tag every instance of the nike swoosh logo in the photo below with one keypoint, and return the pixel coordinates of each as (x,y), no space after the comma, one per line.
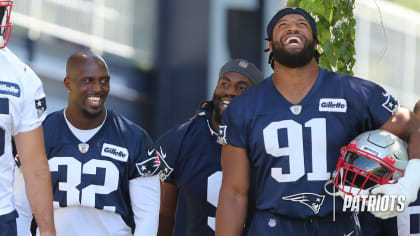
(150,152)
(349,234)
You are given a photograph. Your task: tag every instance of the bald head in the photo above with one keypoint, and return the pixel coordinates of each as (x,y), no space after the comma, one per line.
(87,81)
(81,60)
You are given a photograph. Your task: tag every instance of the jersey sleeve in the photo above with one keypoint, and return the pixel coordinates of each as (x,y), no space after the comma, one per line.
(34,104)
(145,162)
(381,105)
(169,148)
(234,127)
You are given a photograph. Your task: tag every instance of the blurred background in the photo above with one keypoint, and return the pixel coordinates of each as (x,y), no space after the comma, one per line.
(164,56)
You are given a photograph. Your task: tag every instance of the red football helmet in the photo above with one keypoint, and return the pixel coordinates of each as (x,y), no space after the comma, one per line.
(5,25)
(373,158)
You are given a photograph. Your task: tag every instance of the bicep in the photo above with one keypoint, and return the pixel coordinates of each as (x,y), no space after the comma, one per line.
(399,124)
(30,144)
(235,167)
(405,125)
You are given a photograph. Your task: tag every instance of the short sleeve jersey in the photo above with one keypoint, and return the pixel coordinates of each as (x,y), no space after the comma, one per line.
(22,109)
(294,148)
(96,173)
(192,152)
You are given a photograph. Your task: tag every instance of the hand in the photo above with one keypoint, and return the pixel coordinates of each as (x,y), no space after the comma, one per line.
(407,186)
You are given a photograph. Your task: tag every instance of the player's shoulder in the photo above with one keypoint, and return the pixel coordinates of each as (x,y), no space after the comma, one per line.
(250,102)
(17,69)
(126,126)
(253,94)
(350,83)
(53,118)
(177,133)
(53,128)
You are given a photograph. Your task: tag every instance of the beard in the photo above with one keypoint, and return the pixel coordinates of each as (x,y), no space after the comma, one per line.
(217,113)
(92,115)
(293,60)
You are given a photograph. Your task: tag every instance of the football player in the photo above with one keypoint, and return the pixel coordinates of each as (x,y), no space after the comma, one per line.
(22,110)
(191,151)
(291,129)
(104,178)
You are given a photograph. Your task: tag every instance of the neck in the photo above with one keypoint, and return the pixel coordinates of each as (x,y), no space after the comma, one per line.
(295,83)
(80,121)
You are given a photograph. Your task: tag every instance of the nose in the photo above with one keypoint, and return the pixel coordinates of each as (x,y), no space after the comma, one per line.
(292,28)
(232,91)
(96,86)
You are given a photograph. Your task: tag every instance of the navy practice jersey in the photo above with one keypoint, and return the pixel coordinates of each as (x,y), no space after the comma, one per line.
(295,148)
(193,154)
(405,224)
(96,173)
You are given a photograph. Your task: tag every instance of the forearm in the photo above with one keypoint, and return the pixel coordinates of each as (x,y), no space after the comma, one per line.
(38,189)
(168,205)
(166,225)
(231,213)
(30,146)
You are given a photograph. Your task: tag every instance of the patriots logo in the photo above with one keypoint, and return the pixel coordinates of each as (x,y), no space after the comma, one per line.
(391,103)
(221,136)
(156,164)
(165,169)
(311,200)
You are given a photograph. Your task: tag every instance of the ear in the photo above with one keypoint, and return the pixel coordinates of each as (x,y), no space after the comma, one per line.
(67,84)
(270,45)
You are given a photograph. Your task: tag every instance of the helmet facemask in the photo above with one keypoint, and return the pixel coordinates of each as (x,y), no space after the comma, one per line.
(373,158)
(5,25)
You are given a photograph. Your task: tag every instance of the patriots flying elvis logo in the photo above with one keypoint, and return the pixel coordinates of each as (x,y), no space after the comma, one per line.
(312,200)
(156,164)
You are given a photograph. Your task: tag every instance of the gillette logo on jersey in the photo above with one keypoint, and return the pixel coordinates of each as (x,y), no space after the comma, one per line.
(9,89)
(115,152)
(333,105)
(376,203)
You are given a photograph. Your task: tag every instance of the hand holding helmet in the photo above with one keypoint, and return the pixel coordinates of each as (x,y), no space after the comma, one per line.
(407,186)
(375,163)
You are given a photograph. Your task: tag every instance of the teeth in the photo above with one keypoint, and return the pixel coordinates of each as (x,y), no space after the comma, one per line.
(293,38)
(94,99)
(225,103)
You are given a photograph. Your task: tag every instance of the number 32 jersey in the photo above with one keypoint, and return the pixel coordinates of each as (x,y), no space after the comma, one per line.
(96,174)
(22,107)
(295,148)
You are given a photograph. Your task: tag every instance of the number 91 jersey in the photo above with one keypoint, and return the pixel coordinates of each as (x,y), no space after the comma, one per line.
(22,109)
(294,148)
(96,174)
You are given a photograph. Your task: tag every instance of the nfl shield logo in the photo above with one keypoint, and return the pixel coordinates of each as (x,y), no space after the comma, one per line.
(83,147)
(296,109)
(272,222)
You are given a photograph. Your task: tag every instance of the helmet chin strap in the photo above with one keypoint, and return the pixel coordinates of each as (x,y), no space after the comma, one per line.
(334,193)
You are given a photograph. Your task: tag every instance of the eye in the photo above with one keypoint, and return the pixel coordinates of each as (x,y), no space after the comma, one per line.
(224,84)
(282,24)
(104,80)
(242,88)
(86,80)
